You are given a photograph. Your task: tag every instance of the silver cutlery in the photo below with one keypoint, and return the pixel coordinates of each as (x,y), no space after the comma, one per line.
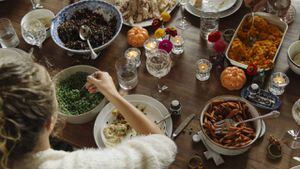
(182,125)
(163,119)
(85,34)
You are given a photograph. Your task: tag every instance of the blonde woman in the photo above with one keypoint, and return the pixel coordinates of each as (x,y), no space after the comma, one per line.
(28,113)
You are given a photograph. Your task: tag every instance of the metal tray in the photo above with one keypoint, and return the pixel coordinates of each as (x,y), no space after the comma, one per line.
(272,19)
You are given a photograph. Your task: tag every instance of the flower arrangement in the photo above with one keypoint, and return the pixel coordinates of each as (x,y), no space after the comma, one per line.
(217,56)
(165,34)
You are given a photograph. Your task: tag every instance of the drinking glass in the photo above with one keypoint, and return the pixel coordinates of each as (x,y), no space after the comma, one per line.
(182,23)
(8,36)
(209,22)
(159,64)
(34,32)
(279,8)
(36,4)
(126,73)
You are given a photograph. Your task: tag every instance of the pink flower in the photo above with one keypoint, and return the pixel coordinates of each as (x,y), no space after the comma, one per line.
(165,45)
(220,46)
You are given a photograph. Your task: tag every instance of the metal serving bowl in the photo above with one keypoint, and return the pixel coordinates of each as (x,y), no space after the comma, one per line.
(225,150)
(105,8)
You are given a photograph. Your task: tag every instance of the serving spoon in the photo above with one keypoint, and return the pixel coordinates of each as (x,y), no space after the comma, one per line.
(85,34)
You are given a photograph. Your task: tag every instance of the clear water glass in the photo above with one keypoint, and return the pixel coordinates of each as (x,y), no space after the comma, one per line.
(159,64)
(8,36)
(203,68)
(209,23)
(182,23)
(126,73)
(278,83)
(279,7)
(34,32)
(178,43)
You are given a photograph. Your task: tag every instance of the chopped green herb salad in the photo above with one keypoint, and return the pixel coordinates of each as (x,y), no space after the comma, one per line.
(71,100)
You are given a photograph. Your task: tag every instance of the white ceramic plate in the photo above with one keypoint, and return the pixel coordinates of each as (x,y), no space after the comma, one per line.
(154,110)
(296,167)
(145,23)
(196,12)
(220,5)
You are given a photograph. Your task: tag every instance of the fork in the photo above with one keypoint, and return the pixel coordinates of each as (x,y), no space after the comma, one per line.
(163,119)
(222,127)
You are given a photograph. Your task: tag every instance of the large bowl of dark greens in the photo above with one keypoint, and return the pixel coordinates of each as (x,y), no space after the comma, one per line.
(76,104)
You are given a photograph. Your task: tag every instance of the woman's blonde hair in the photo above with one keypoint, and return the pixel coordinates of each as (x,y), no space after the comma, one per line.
(26,104)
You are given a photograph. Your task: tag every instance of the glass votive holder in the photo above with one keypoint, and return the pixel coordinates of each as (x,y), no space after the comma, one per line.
(278,83)
(150,45)
(203,69)
(177,42)
(134,56)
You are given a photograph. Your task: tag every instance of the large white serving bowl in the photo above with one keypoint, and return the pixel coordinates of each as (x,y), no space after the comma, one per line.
(87,116)
(293,50)
(231,151)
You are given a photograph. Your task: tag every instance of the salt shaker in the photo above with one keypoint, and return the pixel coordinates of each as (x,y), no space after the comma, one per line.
(175,107)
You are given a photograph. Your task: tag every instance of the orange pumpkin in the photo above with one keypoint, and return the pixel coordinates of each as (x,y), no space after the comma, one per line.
(136,36)
(233,78)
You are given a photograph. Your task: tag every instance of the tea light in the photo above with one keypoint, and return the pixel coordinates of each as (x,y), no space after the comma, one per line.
(278,83)
(203,69)
(134,55)
(177,44)
(150,45)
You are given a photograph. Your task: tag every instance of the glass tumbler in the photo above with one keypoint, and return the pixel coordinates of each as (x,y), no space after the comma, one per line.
(209,23)
(8,36)
(126,73)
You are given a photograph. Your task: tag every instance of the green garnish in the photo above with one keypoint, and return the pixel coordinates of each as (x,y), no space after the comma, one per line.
(73,102)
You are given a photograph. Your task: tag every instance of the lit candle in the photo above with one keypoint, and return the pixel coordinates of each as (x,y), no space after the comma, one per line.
(177,40)
(279,80)
(150,44)
(203,69)
(133,54)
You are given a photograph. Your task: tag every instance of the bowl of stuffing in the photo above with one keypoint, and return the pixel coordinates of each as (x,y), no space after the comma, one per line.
(75,103)
(104,20)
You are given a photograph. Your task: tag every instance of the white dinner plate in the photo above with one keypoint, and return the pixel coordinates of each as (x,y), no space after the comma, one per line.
(296,167)
(220,5)
(196,12)
(145,23)
(154,111)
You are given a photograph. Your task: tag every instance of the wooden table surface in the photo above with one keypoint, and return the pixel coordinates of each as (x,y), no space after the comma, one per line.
(182,83)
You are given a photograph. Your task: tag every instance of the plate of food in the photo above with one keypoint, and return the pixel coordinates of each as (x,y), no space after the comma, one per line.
(235,139)
(111,128)
(211,6)
(141,12)
(75,103)
(193,8)
(258,43)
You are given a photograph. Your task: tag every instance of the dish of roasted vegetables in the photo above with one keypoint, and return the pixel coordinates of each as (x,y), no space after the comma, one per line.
(239,136)
(256,42)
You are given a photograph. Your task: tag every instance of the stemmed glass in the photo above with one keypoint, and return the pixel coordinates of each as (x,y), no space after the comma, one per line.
(159,64)
(279,8)
(34,33)
(36,4)
(182,23)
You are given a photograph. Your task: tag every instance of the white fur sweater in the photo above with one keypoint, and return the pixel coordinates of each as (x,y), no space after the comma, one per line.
(143,152)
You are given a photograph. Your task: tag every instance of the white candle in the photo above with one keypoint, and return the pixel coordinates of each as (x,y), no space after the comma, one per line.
(132,54)
(279,80)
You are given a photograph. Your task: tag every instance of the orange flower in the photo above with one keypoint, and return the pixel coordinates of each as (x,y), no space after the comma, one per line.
(159,33)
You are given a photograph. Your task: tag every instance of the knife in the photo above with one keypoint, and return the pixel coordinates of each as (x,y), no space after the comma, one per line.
(182,125)
(297,158)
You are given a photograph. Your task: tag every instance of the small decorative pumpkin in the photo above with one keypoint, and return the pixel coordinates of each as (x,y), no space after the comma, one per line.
(136,36)
(233,78)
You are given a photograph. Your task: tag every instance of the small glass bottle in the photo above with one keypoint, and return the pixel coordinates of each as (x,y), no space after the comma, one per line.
(175,107)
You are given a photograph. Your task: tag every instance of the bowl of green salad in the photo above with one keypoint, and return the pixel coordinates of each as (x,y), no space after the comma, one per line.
(77,106)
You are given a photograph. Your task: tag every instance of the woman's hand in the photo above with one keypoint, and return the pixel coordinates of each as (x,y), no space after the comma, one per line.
(101,81)
(256,4)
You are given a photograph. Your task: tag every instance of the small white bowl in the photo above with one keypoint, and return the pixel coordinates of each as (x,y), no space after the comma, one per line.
(293,50)
(40,14)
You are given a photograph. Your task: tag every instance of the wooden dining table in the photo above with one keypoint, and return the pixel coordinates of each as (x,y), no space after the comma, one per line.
(183,86)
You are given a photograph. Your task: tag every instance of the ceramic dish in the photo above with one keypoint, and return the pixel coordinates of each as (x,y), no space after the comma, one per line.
(106,9)
(196,12)
(45,16)
(296,111)
(148,22)
(272,19)
(210,6)
(154,110)
(294,50)
(87,116)
(224,150)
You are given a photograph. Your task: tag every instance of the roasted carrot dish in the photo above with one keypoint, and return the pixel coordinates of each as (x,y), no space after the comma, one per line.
(238,136)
